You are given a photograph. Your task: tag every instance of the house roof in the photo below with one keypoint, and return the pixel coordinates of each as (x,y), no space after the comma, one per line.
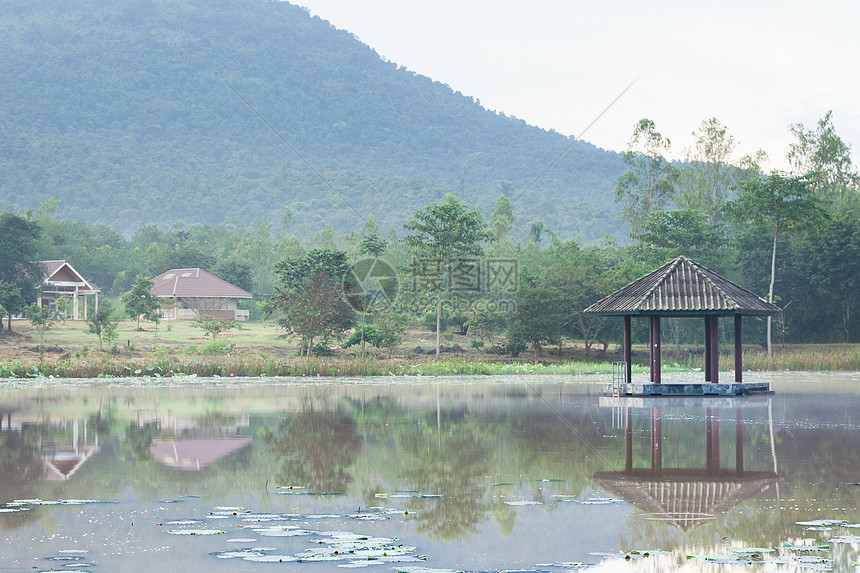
(194,282)
(62,273)
(682,287)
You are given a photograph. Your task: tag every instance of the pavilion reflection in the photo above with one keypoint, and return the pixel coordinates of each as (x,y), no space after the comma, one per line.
(684,496)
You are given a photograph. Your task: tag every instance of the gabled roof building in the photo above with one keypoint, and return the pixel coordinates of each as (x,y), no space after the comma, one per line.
(63,281)
(198,293)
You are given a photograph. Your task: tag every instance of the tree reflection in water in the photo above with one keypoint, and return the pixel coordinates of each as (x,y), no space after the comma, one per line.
(317,449)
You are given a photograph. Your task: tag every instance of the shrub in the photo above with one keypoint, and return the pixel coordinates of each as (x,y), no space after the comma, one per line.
(215,348)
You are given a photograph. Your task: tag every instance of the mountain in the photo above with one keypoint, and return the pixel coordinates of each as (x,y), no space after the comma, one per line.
(152,111)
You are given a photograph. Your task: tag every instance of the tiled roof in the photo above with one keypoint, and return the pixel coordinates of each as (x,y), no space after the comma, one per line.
(194,283)
(682,287)
(53,267)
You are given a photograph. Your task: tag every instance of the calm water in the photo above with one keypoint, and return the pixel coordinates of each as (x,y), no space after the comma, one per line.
(477,474)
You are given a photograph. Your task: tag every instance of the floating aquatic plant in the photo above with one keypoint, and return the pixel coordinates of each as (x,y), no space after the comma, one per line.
(196,531)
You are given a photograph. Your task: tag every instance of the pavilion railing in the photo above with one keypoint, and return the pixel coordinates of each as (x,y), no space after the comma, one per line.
(619,379)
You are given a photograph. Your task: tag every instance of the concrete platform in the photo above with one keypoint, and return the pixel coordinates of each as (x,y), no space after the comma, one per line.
(690,389)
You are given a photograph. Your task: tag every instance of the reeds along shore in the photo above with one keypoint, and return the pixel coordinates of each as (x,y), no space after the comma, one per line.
(300,367)
(797,359)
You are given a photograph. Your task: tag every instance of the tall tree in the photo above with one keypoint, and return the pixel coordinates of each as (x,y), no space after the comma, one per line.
(782,203)
(310,296)
(824,159)
(502,220)
(440,235)
(649,183)
(708,176)
(834,256)
(100,324)
(537,320)
(139,303)
(684,232)
(19,266)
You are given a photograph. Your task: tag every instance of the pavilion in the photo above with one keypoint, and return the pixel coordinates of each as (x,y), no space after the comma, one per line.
(683,288)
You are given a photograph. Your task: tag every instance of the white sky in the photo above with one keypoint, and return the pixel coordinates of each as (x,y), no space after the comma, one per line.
(756,66)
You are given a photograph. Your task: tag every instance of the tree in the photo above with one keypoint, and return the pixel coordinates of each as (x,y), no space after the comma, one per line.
(214,326)
(236,273)
(390,328)
(577,276)
(782,203)
(374,245)
(824,159)
(100,324)
(43,318)
(834,255)
(502,220)
(140,303)
(20,270)
(685,232)
(649,183)
(310,297)
(536,320)
(440,236)
(706,180)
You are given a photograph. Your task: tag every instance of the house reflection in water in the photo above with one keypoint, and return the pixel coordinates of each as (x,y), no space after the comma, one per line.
(61,463)
(194,447)
(195,454)
(61,454)
(689,496)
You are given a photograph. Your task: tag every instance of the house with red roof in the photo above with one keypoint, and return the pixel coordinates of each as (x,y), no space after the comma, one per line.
(62,281)
(198,293)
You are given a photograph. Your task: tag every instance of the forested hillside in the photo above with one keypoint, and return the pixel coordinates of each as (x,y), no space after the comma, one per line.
(153,111)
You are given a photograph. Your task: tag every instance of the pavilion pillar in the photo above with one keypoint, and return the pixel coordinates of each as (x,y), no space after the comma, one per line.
(628,443)
(656,441)
(712,439)
(739,441)
(739,350)
(707,348)
(75,304)
(654,344)
(715,351)
(628,349)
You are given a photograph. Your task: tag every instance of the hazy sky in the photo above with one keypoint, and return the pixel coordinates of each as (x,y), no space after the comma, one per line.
(756,66)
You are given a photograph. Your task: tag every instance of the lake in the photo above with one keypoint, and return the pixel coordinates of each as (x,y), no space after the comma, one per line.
(426,474)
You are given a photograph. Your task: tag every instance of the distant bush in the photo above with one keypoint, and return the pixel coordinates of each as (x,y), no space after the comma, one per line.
(215,347)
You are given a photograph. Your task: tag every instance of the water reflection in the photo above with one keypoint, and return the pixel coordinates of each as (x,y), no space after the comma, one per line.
(480,475)
(689,493)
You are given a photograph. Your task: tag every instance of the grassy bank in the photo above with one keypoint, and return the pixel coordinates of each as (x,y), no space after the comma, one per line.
(260,349)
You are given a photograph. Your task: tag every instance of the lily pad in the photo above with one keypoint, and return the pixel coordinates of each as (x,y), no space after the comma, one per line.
(791,547)
(272,559)
(844,539)
(600,501)
(196,531)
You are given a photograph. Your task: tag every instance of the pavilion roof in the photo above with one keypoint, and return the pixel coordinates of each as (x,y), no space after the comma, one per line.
(685,498)
(682,287)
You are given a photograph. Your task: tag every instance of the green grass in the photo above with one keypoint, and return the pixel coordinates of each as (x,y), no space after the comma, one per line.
(258,349)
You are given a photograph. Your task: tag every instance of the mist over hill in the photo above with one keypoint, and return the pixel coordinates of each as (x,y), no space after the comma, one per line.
(153,111)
